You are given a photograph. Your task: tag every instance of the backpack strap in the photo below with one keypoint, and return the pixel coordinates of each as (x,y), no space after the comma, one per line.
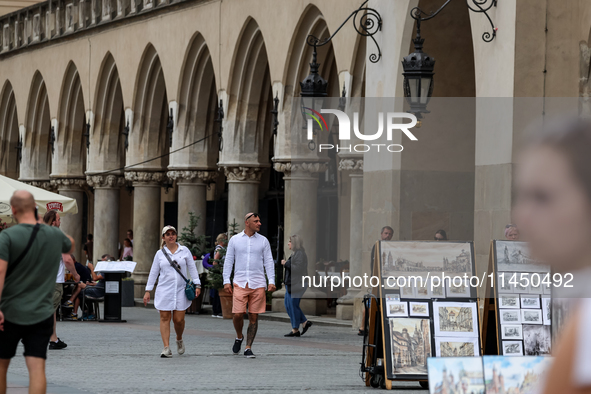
(25,251)
(174,265)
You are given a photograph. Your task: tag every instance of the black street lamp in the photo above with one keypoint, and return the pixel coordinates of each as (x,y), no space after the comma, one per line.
(314,88)
(313,91)
(418,66)
(418,77)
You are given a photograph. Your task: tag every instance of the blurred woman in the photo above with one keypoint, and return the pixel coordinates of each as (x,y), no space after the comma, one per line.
(127,249)
(295,267)
(170,298)
(553,213)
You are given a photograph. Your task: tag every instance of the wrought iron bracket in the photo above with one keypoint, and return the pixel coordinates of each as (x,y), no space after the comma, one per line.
(170,129)
(478,6)
(125,133)
(52,139)
(370,22)
(275,113)
(219,119)
(87,135)
(19,149)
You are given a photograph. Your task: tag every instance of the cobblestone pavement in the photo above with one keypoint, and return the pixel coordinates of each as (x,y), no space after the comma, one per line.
(124,358)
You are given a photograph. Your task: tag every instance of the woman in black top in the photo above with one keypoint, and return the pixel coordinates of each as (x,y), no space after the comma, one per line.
(296,267)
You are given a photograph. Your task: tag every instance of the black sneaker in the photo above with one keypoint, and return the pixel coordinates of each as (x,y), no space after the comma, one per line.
(57,345)
(249,354)
(237,345)
(306,327)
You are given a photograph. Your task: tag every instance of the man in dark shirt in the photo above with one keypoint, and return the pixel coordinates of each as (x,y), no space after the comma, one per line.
(26,288)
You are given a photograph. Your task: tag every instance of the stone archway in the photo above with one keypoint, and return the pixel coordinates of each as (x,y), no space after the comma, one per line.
(247,126)
(37,150)
(107,159)
(68,172)
(194,168)
(9,133)
(148,145)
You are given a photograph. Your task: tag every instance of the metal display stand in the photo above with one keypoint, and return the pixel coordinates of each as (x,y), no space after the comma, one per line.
(112,313)
(113,272)
(376,359)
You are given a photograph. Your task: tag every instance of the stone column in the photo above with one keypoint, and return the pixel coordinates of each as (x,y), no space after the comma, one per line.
(146,223)
(355,168)
(243,192)
(72,223)
(192,196)
(106,213)
(301,202)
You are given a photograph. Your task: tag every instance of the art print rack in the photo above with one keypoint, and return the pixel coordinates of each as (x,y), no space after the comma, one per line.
(522,301)
(415,321)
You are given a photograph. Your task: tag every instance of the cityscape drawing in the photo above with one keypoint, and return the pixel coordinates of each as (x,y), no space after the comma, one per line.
(410,341)
(456,319)
(536,340)
(514,257)
(456,347)
(402,258)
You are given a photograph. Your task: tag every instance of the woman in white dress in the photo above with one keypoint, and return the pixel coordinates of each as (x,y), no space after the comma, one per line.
(170,297)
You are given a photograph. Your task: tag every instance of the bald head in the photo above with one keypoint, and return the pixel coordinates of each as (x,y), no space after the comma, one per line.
(22,202)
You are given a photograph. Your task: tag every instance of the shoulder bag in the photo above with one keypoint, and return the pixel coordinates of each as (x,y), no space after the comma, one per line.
(24,252)
(190,291)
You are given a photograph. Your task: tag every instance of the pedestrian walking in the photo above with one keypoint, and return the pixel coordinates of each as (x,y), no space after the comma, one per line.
(29,255)
(171,263)
(52,218)
(296,267)
(249,253)
(221,242)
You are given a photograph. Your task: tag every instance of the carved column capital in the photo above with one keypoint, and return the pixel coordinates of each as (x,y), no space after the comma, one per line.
(144,177)
(42,184)
(300,169)
(68,183)
(353,165)
(192,176)
(243,174)
(111,180)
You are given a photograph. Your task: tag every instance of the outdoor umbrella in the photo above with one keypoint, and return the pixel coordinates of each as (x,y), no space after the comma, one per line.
(45,200)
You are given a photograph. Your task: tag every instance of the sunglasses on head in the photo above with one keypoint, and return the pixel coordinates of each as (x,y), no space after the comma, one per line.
(256,215)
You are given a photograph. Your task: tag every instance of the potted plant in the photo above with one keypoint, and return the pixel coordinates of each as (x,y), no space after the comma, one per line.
(197,244)
(215,277)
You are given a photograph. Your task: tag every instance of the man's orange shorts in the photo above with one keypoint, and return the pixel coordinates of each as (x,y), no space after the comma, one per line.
(255,298)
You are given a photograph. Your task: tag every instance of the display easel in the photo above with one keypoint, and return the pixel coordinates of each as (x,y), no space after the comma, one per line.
(491,301)
(377,347)
(489,306)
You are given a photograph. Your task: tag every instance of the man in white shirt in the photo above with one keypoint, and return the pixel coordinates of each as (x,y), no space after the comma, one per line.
(250,255)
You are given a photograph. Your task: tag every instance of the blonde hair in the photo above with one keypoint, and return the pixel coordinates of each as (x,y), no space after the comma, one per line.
(297,243)
(220,237)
